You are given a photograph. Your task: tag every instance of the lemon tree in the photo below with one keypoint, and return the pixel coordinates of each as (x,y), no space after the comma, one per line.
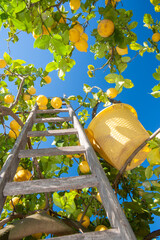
(61,28)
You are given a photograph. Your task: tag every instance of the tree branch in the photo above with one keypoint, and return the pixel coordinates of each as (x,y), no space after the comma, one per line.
(7,111)
(115,184)
(152,235)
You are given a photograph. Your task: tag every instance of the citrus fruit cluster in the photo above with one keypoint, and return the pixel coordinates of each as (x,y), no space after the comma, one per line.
(14,132)
(78,37)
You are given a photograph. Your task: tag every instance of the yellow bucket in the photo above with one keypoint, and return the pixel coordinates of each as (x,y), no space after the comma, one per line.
(115,133)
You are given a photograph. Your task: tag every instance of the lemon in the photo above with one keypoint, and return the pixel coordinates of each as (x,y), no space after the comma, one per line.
(112,2)
(47,79)
(79,28)
(31,90)
(85,36)
(26,97)
(81,45)
(85,222)
(56,102)
(62,19)
(14,202)
(19,168)
(75,4)
(99,197)
(122,51)
(157,8)
(105,28)
(14,125)
(101,228)
(84,167)
(22,175)
(112,93)
(41,100)
(74,35)
(156,37)
(8,98)
(42,107)
(2,63)
(13,134)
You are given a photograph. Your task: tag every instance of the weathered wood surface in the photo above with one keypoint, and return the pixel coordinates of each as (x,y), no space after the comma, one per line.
(49,185)
(53,119)
(110,234)
(52,110)
(51,151)
(9,168)
(113,209)
(68,131)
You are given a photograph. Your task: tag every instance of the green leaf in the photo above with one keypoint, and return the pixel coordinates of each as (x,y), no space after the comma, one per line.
(122,67)
(148,19)
(42,42)
(149,172)
(156,94)
(135,46)
(7,58)
(156,76)
(157,171)
(51,66)
(147,185)
(19,24)
(86,88)
(156,88)
(93,102)
(153,157)
(125,59)
(158,56)
(133,25)
(57,200)
(128,83)
(111,78)
(155,183)
(72,97)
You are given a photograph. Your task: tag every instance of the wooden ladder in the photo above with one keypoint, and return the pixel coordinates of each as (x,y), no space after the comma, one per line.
(120,226)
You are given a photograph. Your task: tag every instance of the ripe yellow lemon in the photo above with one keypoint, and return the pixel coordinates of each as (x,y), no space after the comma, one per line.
(84,167)
(47,79)
(13,134)
(79,28)
(81,45)
(112,92)
(85,36)
(74,35)
(86,221)
(122,51)
(26,97)
(56,102)
(42,107)
(75,4)
(42,100)
(62,19)
(156,37)
(9,98)
(2,63)
(101,228)
(37,235)
(19,168)
(112,2)
(14,202)
(22,175)
(99,197)
(157,8)
(31,90)
(14,125)
(105,28)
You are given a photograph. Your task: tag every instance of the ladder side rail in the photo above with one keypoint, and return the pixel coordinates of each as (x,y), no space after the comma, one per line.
(9,168)
(113,209)
(110,234)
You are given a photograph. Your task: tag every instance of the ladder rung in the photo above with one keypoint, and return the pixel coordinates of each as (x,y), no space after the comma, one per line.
(51,151)
(52,132)
(49,185)
(53,119)
(53,110)
(110,234)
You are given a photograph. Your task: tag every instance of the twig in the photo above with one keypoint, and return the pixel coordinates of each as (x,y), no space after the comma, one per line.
(115,184)
(86,208)
(94,111)
(152,235)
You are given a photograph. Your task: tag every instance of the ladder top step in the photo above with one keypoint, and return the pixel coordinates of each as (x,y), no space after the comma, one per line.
(49,185)
(53,110)
(51,151)
(68,131)
(53,119)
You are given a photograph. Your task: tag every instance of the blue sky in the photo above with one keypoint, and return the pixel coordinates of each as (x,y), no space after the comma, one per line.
(140,70)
